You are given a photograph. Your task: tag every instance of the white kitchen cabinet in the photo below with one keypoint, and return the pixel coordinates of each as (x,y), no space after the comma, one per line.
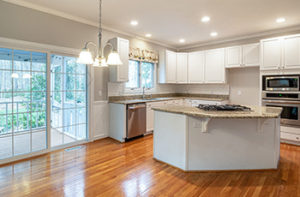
(214,66)
(120,73)
(271,54)
(171,67)
(233,56)
(181,65)
(196,67)
(250,55)
(292,52)
(242,56)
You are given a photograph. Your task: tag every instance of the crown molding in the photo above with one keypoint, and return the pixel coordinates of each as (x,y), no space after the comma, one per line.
(44,9)
(241,38)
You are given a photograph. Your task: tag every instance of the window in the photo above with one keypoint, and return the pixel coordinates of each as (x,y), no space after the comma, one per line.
(140,74)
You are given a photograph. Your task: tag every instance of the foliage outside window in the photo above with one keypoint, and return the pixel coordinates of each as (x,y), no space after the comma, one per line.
(140,74)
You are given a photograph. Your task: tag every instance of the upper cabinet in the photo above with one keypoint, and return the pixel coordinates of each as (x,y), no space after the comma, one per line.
(242,56)
(281,53)
(214,66)
(292,52)
(251,54)
(196,67)
(271,54)
(233,56)
(120,73)
(171,67)
(182,68)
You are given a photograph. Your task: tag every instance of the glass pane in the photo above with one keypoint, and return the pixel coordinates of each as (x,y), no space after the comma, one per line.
(147,73)
(5,147)
(39,101)
(80,82)
(56,117)
(133,74)
(39,140)
(39,61)
(81,116)
(70,65)
(69,134)
(5,103)
(39,81)
(38,120)
(80,99)
(69,99)
(81,131)
(81,69)
(5,81)
(21,81)
(70,82)
(56,136)
(21,122)
(22,101)
(22,60)
(5,124)
(56,64)
(22,144)
(69,117)
(56,82)
(5,58)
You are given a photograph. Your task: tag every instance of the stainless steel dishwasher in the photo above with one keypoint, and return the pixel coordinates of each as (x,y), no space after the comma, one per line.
(136,120)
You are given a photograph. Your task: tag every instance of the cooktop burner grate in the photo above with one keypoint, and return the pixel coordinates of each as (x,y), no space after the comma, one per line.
(224,107)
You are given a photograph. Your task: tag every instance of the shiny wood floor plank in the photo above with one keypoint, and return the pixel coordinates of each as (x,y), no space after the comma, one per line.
(108,168)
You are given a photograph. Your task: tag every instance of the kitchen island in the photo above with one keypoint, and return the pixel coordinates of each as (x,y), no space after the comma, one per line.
(196,140)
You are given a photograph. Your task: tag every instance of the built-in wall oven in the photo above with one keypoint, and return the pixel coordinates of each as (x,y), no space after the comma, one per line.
(283,91)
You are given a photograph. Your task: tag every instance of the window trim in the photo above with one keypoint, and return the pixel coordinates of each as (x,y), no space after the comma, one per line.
(139,78)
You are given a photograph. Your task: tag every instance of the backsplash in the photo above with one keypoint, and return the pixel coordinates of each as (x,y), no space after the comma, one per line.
(219,89)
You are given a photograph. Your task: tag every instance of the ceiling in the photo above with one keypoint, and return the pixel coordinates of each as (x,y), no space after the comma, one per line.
(170,20)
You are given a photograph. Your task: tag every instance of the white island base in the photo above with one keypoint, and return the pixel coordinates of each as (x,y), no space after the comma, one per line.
(216,144)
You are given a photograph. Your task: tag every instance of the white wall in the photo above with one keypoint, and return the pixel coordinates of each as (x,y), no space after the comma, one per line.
(244,86)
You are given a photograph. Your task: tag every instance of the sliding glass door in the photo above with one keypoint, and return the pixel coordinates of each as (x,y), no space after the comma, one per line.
(68,100)
(23,93)
(24,96)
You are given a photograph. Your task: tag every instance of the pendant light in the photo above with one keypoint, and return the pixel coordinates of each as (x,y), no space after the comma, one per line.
(86,57)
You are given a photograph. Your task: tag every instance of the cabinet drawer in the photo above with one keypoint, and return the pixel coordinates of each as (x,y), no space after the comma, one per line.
(290,136)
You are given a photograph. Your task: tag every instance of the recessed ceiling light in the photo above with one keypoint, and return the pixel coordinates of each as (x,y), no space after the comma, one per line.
(134,23)
(213,34)
(280,20)
(182,40)
(148,35)
(205,19)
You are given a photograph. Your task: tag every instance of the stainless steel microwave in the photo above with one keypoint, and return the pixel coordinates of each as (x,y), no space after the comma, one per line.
(281,83)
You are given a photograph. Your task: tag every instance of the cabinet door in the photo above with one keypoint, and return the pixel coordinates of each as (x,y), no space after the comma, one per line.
(196,67)
(251,55)
(214,66)
(233,56)
(292,52)
(181,71)
(271,54)
(171,67)
(123,50)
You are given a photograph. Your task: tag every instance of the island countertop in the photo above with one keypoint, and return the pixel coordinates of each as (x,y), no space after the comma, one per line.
(256,112)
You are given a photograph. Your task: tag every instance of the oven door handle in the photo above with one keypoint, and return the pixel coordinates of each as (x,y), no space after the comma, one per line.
(282,102)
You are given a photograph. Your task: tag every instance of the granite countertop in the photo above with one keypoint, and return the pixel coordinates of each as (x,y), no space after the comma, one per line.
(256,112)
(132,101)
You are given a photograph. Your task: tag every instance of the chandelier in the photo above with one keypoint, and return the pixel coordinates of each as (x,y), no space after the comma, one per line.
(86,57)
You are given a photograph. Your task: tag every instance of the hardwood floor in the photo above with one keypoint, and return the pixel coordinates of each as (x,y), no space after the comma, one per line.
(108,168)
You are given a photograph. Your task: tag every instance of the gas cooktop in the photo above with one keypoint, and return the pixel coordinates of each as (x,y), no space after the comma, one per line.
(224,107)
